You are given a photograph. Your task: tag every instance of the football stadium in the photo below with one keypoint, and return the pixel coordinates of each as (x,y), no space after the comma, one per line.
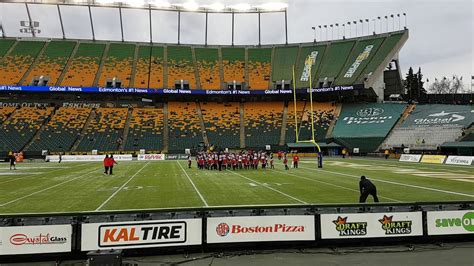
(115,148)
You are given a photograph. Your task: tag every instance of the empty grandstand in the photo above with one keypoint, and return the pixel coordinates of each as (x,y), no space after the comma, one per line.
(62,130)
(429,126)
(103,131)
(358,61)
(16,63)
(84,64)
(145,130)
(185,131)
(263,123)
(222,123)
(365,126)
(18,130)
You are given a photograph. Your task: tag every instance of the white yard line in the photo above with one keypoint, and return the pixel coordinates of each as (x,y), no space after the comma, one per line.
(29,173)
(330,184)
(276,190)
(396,183)
(194,186)
(46,189)
(120,188)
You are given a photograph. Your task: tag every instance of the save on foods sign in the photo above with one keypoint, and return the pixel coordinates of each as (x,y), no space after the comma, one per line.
(260,228)
(450,222)
(365,225)
(141,234)
(35,239)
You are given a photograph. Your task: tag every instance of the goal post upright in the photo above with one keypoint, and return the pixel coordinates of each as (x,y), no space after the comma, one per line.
(294,104)
(310,90)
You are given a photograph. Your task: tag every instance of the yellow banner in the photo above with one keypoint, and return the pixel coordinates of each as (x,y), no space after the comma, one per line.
(439,159)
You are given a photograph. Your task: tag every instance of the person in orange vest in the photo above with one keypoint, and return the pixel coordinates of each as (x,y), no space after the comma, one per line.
(387,154)
(296,159)
(344,153)
(111,164)
(106,165)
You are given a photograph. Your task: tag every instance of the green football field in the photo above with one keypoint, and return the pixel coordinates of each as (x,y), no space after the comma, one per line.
(137,185)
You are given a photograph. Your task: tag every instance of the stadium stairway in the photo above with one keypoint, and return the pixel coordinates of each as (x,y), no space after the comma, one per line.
(126,129)
(468,134)
(337,112)
(10,116)
(166,128)
(68,64)
(165,75)
(397,125)
(246,70)
(134,68)
(201,122)
(101,66)
(196,73)
(283,125)
(242,125)
(221,68)
(35,62)
(92,115)
(38,132)
(9,50)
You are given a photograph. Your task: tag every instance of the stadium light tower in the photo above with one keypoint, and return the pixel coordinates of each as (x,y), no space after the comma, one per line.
(405,15)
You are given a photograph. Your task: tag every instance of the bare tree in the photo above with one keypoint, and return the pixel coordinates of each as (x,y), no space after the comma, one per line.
(447,86)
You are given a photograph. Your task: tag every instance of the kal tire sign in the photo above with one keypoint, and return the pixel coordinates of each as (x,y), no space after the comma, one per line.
(162,233)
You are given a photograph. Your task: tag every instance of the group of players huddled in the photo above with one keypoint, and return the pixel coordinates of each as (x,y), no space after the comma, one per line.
(241,160)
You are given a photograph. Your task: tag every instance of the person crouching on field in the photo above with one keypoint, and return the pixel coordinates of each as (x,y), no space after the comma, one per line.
(106,165)
(367,188)
(111,164)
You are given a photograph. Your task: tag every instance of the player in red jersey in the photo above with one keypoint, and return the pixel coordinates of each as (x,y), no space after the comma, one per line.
(296,159)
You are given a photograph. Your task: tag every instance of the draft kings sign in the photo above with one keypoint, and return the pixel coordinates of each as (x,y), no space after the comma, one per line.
(368,225)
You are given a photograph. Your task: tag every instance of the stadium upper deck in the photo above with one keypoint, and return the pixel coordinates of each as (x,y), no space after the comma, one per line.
(105,64)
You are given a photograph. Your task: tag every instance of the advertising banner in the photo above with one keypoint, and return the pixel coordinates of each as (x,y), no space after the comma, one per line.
(429,115)
(174,91)
(151,157)
(413,158)
(35,239)
(260,228)
(176,156)
(141,234)
(437,159)
(450,222)
(87,158)
(366,225)
(460,160)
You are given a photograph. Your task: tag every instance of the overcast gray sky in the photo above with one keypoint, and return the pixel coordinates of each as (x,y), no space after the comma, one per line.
(441,31)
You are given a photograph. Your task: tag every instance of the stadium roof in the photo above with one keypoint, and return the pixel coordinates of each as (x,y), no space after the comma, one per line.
(88,15)
(176,5)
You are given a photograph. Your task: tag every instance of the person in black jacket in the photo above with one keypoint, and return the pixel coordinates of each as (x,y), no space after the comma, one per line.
(367,188)
(12,159)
